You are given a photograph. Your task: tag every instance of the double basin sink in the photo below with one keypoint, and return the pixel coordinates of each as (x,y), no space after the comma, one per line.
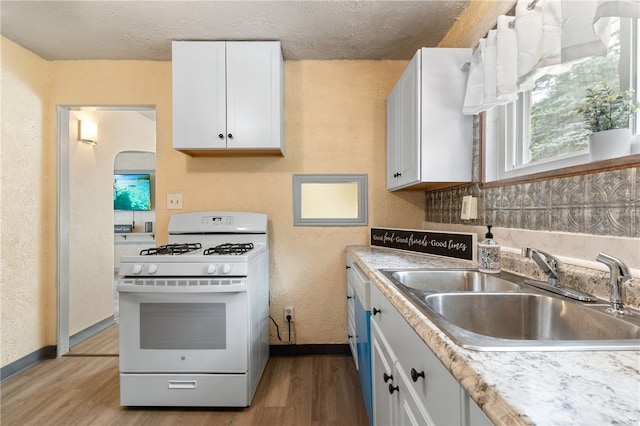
(500,312)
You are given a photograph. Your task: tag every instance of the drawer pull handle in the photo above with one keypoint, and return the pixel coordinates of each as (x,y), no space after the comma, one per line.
(375,311)
(392,388)
(387,377)
(415,375)
(183,384)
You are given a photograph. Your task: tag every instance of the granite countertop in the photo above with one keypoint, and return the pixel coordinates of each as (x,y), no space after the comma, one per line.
(519,388)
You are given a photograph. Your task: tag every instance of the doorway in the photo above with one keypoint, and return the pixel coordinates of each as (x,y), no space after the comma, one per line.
(134,204)
(85,255)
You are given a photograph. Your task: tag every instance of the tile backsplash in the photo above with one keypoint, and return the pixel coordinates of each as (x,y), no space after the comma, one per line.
(606,203)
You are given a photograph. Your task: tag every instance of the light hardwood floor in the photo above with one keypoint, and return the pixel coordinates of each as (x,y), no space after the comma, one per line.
(83,389)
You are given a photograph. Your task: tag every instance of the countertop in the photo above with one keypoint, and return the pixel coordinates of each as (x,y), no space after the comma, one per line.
(519,388)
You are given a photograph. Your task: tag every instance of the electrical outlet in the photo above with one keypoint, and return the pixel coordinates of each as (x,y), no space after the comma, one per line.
(469,207)
(174,201)
(288,311)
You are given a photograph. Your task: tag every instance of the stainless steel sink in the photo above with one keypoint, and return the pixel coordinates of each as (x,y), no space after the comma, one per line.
(523,320)
(448,280)
(502,313)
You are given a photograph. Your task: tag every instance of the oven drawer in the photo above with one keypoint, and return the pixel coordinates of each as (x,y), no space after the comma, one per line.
(185,390)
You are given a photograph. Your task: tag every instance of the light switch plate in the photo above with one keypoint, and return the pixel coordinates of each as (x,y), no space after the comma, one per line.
(469,207)
(174,201)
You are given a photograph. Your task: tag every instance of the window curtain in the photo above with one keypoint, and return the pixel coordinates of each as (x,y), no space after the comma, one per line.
(543,34)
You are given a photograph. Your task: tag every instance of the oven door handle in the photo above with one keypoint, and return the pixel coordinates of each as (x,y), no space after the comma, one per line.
(183,384)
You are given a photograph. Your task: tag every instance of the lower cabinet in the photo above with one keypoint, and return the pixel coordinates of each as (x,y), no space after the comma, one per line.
(358,302)
(410,384)
(351,316)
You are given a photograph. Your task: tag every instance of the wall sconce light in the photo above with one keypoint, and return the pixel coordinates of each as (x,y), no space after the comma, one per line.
(88,132)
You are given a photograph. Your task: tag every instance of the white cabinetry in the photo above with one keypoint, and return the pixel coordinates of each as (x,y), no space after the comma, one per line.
(410,384)
(351,312)
(228,97)
(429,140)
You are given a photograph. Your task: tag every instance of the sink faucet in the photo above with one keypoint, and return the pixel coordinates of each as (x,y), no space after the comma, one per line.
(548,263)
(619,274)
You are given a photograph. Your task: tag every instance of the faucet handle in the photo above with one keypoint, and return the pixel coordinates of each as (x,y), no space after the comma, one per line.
(614,263)
(619,273)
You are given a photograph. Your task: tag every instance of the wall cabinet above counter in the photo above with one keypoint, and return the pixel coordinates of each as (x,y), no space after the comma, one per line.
(228,98)
(429,140)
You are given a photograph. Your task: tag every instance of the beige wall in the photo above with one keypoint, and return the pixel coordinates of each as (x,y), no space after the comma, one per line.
(335,123)
(27,207)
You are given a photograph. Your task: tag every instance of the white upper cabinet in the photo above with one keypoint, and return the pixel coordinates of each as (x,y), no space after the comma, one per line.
(429,140)
(228,98)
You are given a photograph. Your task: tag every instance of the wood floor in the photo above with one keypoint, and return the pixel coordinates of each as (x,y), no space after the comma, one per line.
(83,389)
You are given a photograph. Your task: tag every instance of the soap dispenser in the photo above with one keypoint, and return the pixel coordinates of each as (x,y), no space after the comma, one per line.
(489,253)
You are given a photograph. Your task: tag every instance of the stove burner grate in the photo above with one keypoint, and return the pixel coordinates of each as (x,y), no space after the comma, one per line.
(171,249)
(229,248)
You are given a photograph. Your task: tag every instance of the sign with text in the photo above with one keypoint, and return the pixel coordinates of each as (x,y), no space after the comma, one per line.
(459,246)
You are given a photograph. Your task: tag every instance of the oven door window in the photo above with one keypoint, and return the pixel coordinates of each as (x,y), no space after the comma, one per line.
(183,326)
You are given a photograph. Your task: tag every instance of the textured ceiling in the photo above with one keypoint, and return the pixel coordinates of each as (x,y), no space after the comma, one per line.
(143,30)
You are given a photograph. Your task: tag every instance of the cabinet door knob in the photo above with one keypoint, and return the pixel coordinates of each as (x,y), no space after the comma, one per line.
(399,174)
(348,267)
(392,388)
(349,297)
(230,136)
(375,311)
(387,377)
(349,336)
(221,136)
(415,375)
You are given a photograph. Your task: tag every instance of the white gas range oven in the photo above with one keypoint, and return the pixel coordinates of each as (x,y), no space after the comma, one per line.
(194,314)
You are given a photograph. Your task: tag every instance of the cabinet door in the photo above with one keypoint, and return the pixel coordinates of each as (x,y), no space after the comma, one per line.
(409,411)
(405,142)
(409,148)
(199,98)
(254,95)
(435,387)
(393,118)
(384,403)
(436,392)
(447,134)
(351,321)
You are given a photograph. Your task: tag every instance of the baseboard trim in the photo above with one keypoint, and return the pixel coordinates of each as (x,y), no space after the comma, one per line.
(51,351)
(9,370)
(90,331)
(310,350)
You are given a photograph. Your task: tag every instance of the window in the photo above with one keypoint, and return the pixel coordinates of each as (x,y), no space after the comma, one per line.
(330,200)
(541,131)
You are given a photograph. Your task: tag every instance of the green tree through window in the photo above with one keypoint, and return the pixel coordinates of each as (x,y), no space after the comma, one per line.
(555,127)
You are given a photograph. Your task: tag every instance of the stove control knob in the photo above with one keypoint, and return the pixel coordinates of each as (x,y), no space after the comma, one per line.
(153,268)
(211,269)
(137,268)
(226,268)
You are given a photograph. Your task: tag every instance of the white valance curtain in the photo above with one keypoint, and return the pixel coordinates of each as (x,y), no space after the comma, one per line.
(542,33)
